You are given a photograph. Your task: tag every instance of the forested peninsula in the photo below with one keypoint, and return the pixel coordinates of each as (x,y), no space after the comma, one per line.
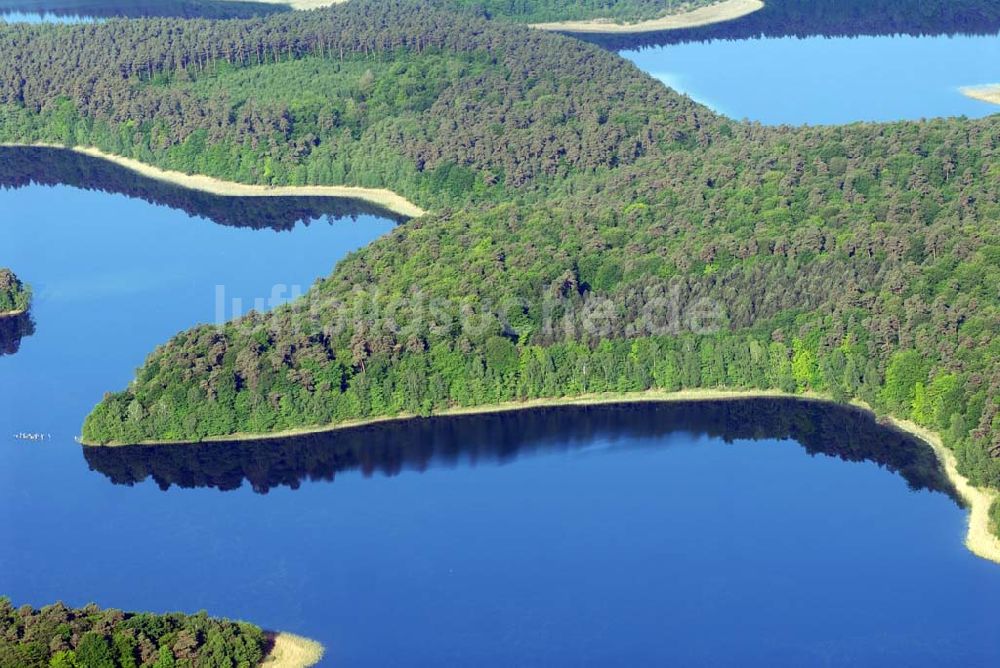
(15,296)
(61,637)
(590,230)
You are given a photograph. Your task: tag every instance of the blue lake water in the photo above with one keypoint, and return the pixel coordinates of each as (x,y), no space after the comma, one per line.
(821,80)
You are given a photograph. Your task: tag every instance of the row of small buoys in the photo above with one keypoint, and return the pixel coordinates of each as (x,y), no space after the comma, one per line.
(32,436)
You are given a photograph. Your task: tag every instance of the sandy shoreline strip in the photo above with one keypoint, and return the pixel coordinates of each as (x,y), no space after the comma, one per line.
(703,16)
(292,651)
(985,93)
(979,540)
(386,199)
(11,314)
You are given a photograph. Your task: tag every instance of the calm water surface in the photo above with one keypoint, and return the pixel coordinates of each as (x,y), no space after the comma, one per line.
(818,80)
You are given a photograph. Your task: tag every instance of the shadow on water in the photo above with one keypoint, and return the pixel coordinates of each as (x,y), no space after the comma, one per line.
(21,167)
(830,18)
(189,9)
(389,448)
(12,329)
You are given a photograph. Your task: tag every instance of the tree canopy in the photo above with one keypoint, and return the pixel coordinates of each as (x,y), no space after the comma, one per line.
(61,637)
(15,296)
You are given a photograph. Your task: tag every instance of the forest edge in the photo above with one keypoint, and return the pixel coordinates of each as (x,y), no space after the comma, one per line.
(979,539)
(384,198)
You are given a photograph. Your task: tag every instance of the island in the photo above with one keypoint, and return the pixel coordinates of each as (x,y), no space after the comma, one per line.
(588,232)
(58,636)
(15,296)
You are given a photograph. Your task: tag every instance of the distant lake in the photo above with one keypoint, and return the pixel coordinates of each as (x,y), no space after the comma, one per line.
(821,80)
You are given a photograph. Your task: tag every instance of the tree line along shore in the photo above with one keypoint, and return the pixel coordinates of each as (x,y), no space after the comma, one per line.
(58,636)
(385,199)
(982,536)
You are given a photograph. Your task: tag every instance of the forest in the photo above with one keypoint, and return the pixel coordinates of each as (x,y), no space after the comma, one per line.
(57,636)
(15,296)
(591,230)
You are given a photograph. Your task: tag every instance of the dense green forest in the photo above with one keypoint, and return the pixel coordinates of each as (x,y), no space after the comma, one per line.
(444,109)
(15,296)
(60,637)
(542,11)
(592,231)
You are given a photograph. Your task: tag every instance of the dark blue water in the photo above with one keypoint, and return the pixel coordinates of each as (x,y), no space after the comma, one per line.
(735,534)
(819,80)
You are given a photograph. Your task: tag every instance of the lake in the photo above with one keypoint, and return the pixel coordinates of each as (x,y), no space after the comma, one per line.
(824,80)
(830,61)
(764,532)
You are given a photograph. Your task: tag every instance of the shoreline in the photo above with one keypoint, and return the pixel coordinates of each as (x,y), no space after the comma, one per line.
(485,409)
(979,540)
(291,651)
(985,93)
(14,313)
(703,16)
(384,198)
